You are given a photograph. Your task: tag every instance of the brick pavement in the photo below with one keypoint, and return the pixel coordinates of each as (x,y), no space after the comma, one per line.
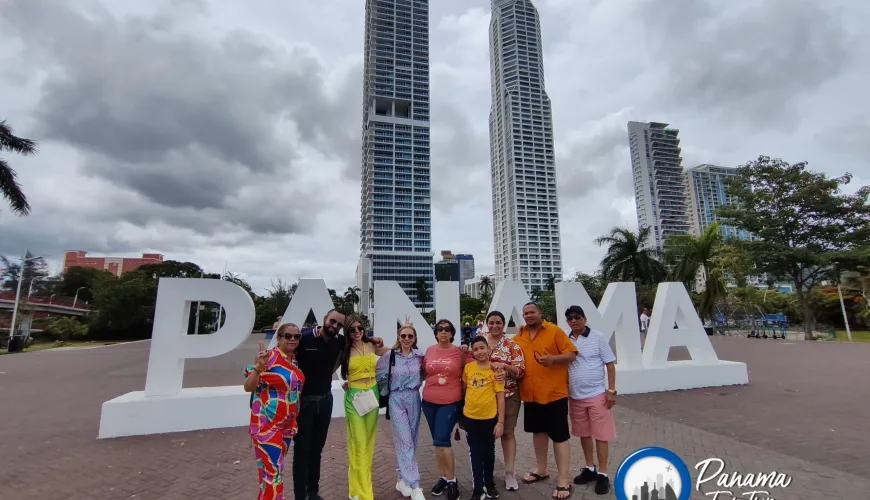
(48,448)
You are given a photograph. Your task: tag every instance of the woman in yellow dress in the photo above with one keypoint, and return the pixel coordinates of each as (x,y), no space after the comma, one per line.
(358,363)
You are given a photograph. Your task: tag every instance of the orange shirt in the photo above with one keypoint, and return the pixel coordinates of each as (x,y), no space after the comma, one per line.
(544,384)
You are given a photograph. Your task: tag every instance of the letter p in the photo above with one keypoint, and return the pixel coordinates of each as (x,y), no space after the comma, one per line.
(170,343)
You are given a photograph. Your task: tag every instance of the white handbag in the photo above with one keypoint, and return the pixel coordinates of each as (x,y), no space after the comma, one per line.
(364,402)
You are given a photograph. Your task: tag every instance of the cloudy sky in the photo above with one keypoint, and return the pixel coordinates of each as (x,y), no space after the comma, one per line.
(218,131)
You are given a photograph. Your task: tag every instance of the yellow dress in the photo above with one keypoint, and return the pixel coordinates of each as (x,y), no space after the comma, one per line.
(361,430)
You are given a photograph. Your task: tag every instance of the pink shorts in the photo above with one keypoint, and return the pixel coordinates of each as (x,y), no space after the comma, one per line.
(591,418)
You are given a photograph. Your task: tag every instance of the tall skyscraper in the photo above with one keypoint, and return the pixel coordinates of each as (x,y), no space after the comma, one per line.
(466,268)
(659,188)
(706,186)
(525,209)
(395,217)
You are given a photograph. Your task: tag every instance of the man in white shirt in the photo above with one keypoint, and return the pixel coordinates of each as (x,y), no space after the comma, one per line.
(644,325)
(590,399)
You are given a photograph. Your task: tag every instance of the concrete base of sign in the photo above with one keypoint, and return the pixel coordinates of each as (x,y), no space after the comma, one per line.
(193,409)
(678,375)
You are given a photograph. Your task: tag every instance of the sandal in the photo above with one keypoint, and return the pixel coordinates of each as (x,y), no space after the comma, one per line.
(560,489)
(535,477)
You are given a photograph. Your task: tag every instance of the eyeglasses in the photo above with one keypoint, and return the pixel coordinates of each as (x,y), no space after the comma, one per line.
(408,336)
(442,328)
(573,317)
(355,329)
(291,336)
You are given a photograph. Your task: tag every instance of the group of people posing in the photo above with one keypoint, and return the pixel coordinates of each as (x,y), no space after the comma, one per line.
(564,381)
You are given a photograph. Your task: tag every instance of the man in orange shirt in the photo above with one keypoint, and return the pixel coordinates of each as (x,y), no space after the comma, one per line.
(544,393)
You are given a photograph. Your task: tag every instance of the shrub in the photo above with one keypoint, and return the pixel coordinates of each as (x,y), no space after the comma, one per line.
(66,328)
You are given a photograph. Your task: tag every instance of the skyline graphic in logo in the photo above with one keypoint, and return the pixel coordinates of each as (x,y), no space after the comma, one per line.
(652,473)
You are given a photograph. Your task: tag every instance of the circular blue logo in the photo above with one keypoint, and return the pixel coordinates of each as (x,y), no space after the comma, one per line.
(652,473)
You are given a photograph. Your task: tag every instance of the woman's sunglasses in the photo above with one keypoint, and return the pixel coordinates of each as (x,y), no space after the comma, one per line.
(355,329)
(408,336)
(442,329)
(291,336)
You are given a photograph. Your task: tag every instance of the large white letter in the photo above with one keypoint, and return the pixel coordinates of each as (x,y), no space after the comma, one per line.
(616,314)
(673,306)
(391,307)
(170,343)
(447,303)
(509,299)
(311,295)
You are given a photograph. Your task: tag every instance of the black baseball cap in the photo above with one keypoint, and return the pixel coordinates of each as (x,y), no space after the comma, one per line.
(575,310)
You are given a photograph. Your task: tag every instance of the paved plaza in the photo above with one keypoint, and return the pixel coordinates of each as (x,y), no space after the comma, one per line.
(804,413)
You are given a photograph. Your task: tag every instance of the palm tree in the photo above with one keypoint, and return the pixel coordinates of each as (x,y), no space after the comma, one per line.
(351,297)
(371,296)
(550,286)
(694,260)
(486,289)
(628,258)
(9,187)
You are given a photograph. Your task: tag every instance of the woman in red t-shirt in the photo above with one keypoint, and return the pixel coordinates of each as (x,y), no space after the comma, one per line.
(442,402)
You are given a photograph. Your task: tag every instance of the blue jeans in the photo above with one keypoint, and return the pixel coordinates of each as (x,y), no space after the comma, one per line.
(442,419)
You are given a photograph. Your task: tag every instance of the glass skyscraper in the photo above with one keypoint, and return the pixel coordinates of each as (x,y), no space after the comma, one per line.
(525,208)
(396,210)
(706,196)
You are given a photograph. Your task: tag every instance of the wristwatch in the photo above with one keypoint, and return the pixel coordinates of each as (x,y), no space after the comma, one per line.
(612,391)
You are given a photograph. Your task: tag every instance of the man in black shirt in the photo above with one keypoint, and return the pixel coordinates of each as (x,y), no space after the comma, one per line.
(318,357)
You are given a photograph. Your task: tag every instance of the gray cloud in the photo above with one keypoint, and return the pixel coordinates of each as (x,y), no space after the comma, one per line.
(746,63)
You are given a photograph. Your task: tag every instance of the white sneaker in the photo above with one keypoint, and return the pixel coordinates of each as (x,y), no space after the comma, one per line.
(403,488)
(510,481)
(417,494)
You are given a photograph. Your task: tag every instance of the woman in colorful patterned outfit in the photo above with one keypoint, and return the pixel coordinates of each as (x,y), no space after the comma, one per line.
(506,354)
(404,405)
(358,363)
(276,382)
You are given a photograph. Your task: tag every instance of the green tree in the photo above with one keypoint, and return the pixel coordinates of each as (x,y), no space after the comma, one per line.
(173,269)
(35,269)
(735,262)
(550,286)
(81,280)
(65,328)
(422,289)
(351,297)
(123,307)
(692,257)
(628,258)
(593,284)
(9,186)
(804,223)
(469,306)
(487,288)
(238,280)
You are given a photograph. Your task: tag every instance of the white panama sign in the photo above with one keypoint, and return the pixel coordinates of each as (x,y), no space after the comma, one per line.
(164,406)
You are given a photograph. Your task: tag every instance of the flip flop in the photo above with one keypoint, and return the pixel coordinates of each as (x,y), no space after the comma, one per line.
(560,489)
(535,478)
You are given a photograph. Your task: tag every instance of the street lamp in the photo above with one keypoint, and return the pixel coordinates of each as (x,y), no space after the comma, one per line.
(51,298)
(24,260)
(77,294)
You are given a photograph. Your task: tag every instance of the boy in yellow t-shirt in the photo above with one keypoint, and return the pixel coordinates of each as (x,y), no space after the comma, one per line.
(483,418)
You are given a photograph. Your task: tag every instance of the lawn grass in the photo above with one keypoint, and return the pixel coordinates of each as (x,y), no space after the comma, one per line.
(857,336)
(42,346)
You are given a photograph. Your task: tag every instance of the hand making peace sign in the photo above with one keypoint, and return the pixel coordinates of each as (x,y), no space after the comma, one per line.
(262,357)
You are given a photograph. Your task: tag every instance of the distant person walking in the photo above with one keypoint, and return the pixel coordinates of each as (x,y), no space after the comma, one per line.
(591,400)
(275,382)
(544,393)
(644,325)
(402,369)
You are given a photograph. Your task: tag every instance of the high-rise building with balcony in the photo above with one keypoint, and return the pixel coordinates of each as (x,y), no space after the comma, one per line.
(525,208)
(706,186)
(659,187)
(396,211)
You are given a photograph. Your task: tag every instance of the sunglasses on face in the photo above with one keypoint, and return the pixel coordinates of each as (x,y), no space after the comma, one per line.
(442,329)
(290,336)
(407,336)
(336,324)
(574,317)
(355,329)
